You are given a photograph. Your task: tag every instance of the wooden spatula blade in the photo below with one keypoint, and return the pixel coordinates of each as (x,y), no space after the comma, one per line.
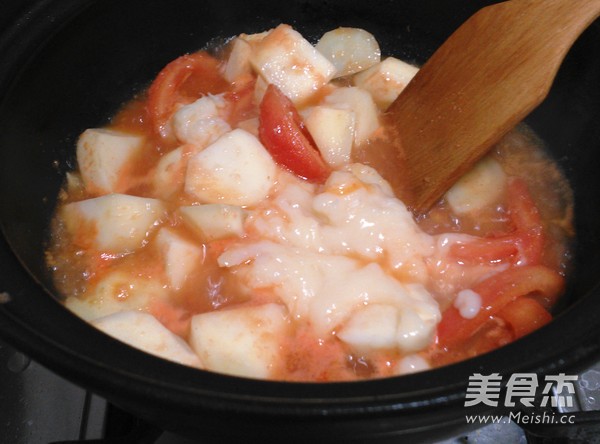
(494,70)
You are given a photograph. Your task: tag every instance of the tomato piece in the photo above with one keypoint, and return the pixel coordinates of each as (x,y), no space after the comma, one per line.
(526,218)
(525,315)
(523,246)
(496,292)
(182,81)
(490,250)
(284,135)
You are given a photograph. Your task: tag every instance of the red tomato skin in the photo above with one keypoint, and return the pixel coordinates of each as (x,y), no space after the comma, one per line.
(182,81)
(527,219)
(524,315)
(497,292)
(284,135)
(523,246)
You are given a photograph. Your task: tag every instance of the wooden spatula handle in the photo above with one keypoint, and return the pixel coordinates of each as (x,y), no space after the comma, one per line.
(493,71)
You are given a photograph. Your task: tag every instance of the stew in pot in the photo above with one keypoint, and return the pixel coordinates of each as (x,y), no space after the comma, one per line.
(229,219)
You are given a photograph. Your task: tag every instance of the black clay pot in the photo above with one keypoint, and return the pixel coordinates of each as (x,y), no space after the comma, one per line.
(66,65)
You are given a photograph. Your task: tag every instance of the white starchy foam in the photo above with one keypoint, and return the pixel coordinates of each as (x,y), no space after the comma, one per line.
(468,303)
(324,255)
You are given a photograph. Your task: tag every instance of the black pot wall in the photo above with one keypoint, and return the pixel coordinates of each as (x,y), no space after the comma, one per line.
(68,65)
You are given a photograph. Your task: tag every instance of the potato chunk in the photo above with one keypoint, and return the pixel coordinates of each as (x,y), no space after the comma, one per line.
(238,64)
(333,131)
(477,189)
(114,292)
(143,331)
(105,158)
(361,103)
(289,61)
(115,223)
(180,257)
(235,170)
(351,50)
(170,173)
(214,221)
(386,80)
(242,341)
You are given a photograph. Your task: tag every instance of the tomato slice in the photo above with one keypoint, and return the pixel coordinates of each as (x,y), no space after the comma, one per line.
(182,81)
(497,292)
(491,250)
(526,217)
(525,315)
(284,135)
(523,246)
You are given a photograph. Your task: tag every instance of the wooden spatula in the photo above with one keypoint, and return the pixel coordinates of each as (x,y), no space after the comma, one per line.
(494,70)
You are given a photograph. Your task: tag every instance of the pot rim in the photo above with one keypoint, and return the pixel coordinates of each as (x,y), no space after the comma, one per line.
(111,366)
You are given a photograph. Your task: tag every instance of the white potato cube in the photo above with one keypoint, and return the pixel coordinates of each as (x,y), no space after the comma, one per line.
(143,331)
(238,64)
(333,132)
(116,291)
(289,61)
(169,174)
(105,158)
(235,170)
(214,221)
(243,341)
(478,188)
(386,80)
(361,103)
(351,50)
(371,327)
(115,223)
(180,257)
(202,122)
(254,38)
